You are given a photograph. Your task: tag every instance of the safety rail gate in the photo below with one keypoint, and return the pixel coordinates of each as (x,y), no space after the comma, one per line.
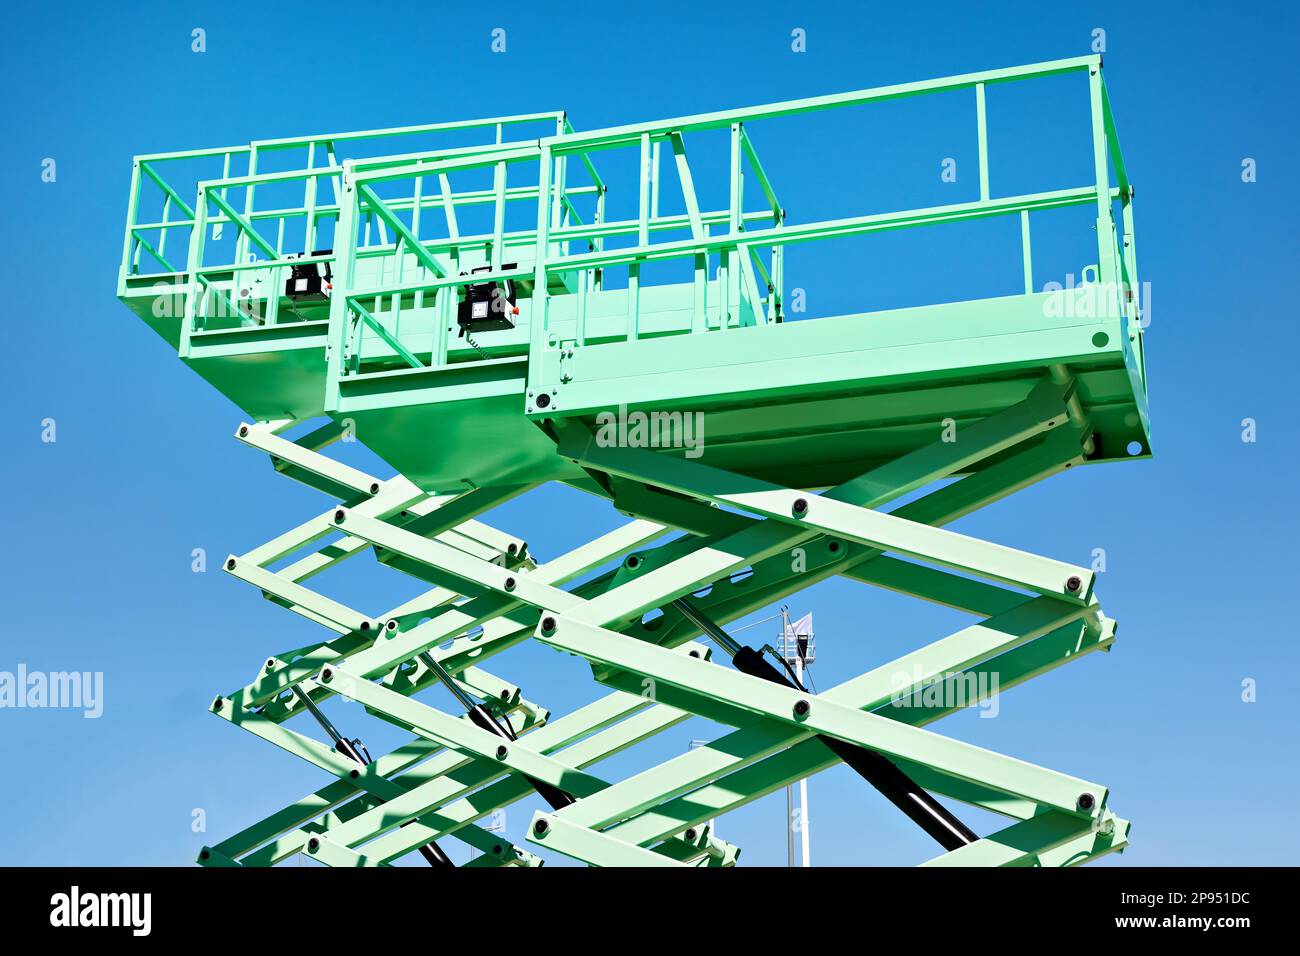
(477,315)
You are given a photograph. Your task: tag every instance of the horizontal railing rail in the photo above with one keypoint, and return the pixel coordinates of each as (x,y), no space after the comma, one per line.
(737,252)
(151,238)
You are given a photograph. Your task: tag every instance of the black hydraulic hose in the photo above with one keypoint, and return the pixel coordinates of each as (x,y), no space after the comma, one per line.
(877,769)
(483,719)
(432,853)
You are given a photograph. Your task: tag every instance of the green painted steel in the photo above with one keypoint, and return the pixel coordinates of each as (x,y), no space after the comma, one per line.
(654,362)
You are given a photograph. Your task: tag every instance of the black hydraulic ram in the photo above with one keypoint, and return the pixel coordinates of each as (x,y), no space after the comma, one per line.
(897,787)
(431,852)
(483,718)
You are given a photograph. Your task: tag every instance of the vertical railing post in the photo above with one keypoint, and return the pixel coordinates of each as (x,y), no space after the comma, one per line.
(499,215)
(654,180)
(778,274)
(1026,252)
(1106,271)
(241,240)
(193,263)
(162,233)
(642,239)
(598,274)
(417,200)
(309,203)
(345,248)
(728,265)
(557,198)
(128,241)
(981,123)
(1134,289)
(580,328)
(537,332)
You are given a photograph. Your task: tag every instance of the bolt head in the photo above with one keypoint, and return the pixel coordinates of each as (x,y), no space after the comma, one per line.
(1073,584)
(801,708)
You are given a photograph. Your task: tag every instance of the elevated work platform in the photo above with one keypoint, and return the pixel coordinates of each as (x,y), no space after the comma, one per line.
(476,313)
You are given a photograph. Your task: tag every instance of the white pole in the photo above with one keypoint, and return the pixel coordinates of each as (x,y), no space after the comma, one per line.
(789,826)
(789,790)
(803,791)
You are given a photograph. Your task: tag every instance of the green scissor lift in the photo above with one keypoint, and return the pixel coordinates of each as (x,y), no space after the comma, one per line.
(834,446)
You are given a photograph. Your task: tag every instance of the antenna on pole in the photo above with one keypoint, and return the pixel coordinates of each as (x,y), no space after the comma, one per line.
(797,646)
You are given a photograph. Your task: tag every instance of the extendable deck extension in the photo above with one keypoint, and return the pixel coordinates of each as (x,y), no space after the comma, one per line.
(397,301)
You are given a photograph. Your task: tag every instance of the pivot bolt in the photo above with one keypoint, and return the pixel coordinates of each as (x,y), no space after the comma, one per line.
(801,708)
(243,431)
(230,564)
(800,507)
(548,625)
(1087,801)
(339,516)
(374,488)
(1073,584)
(502,751)
(541,826)
(326,675)
(391,625)
(510,584)
(218,704)
(313,845)
(543,400)
(690,835)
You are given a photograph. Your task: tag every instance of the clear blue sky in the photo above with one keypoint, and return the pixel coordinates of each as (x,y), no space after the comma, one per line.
(100,525)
